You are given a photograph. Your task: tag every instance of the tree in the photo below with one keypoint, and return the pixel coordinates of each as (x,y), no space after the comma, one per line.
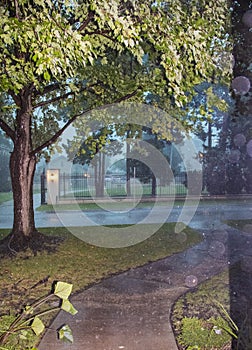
(60,59)
(140,165)
(93,151)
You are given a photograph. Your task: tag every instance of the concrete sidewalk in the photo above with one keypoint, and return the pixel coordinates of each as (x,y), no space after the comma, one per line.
(131,311)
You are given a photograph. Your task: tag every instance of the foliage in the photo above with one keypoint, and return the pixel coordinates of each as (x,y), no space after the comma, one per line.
(61,59)
(16,332)
(74,55)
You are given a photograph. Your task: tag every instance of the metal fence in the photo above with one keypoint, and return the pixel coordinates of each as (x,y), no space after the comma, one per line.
(83,186)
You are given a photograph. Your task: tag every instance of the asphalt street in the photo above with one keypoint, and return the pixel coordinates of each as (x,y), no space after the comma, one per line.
(209,214)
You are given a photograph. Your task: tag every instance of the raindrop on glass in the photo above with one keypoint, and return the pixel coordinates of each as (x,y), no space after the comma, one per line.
(220,235)
(181,237)
(234,156)
(191,281)
(241,85)
(249,148)
(247,19)
(247,228)
(233,61)
(216,249)
(239,140)
(246,264)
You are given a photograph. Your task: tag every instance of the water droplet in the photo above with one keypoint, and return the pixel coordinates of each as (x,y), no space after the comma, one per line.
(239,140)
(241,85)
(247,18)
(191,281)
(220,235)
(234,156)
(246,264)
(216,249)
(181,237)
(249,148)
(247,228)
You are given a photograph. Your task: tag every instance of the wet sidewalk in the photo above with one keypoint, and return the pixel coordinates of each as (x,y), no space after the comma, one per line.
(131,311)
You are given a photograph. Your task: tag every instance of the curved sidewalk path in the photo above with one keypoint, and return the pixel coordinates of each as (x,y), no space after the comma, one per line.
(131,311)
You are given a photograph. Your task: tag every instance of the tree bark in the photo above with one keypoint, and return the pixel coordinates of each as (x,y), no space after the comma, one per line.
(22,167)
(22,173)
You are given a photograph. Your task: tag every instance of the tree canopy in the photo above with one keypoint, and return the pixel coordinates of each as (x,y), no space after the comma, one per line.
(60,59)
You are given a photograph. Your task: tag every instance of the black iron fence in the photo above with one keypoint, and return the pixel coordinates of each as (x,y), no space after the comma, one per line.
(84,186)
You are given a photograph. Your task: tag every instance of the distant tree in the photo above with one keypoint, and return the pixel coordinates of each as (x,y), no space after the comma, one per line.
(93,151)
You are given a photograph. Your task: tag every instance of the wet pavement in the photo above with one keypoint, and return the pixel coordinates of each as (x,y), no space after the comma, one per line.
(131,311)
(208,215)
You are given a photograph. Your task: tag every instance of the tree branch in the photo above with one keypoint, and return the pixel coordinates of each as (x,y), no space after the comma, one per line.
(5,127)
(104,33)
(54,138)
(16,8)
(47,89)
(44,103)
(64,96)
(90,16)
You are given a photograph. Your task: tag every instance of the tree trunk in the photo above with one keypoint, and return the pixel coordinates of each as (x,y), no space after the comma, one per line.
(153,186)
(128,161)
(22,173)
(22,167)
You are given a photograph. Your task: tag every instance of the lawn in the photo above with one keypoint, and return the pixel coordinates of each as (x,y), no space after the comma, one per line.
(79,263)
(5,196)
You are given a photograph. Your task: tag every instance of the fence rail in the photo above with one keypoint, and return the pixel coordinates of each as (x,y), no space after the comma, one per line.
(80,186)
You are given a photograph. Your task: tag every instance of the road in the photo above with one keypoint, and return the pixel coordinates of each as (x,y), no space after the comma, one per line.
(208,215)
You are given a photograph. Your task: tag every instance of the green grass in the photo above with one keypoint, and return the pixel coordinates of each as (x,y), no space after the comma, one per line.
(144,203)
(80,263)
(93,206)
(5,196)
(243,225)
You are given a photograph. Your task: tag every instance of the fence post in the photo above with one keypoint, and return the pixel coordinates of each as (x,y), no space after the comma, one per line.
(52,177)
(43,188)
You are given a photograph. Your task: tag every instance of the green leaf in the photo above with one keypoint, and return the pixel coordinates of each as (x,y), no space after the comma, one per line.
(65,334)
(37,326)
(47,76)
(63,290)
(23,334)
(68,307)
